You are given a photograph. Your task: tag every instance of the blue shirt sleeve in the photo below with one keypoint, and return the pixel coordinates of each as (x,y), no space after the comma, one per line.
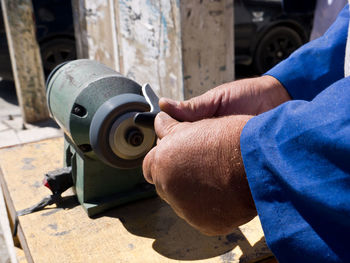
(297,161)
(316,65)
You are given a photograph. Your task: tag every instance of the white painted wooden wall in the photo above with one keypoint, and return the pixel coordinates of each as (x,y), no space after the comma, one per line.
(182,48)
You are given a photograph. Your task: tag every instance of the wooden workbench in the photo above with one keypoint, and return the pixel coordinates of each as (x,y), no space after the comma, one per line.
(145,231)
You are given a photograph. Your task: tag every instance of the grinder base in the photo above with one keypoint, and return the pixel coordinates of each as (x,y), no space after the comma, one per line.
(100,187)
(100,205)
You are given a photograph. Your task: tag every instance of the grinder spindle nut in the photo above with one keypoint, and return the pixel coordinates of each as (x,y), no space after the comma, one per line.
(134,137)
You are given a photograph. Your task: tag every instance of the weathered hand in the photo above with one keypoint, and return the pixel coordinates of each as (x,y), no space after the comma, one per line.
(197,168)
(248,96)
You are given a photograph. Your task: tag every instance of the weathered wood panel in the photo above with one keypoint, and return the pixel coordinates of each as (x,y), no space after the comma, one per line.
(143,231)
(150,42)
(94,23)
(207,44)
(161,41)
(25,58)
(139,38)
(81,44)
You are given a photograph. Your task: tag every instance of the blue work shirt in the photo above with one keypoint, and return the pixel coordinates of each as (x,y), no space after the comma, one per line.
(297,156)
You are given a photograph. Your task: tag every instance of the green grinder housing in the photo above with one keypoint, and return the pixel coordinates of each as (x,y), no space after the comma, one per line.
(96,107)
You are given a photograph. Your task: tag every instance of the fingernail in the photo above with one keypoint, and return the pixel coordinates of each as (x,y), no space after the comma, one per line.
(162,115)
(169,101)
(162,119)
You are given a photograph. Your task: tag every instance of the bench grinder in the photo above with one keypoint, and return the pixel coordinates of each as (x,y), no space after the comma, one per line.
(108,129)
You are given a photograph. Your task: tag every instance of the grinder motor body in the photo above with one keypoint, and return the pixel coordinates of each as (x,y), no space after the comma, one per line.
(96,108)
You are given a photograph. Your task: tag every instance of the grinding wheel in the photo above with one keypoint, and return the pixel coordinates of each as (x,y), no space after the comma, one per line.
(114,136)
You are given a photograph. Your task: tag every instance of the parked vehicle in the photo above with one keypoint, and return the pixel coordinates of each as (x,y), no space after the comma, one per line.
(54,31)
(265,35)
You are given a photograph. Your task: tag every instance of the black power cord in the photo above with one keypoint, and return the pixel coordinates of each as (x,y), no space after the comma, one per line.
(57,181)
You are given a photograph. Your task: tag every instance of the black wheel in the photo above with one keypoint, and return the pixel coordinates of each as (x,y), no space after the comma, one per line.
(274,47)
(57,51)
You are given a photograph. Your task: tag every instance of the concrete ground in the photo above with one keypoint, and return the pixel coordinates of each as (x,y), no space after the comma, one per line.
(13,131)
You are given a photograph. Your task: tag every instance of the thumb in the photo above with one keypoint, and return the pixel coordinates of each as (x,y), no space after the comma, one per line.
(197,108)
(164,124)
(147,165)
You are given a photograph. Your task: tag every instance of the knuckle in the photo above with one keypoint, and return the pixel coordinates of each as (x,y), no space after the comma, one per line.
(183,104)
(192,105)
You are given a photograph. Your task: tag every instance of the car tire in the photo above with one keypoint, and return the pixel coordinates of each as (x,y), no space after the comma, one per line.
(55,52)
(275,46)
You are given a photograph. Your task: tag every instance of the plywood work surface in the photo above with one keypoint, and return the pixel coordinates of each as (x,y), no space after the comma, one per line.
(145,231)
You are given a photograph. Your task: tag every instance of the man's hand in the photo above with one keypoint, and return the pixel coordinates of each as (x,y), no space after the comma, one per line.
(248,96)
(197,165)
(197,168)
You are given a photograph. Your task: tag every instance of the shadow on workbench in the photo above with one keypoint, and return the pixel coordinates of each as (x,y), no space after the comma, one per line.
(175,239)
(67,202)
